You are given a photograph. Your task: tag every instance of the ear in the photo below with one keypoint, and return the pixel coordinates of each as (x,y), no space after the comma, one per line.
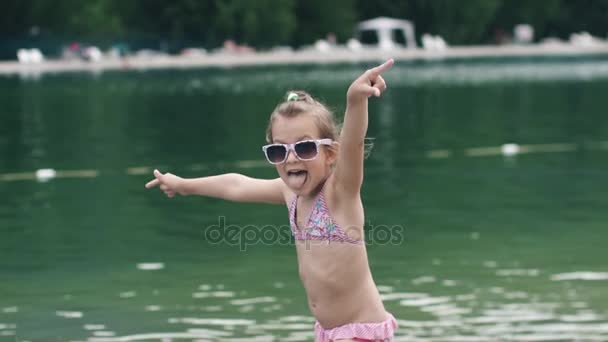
(332,153)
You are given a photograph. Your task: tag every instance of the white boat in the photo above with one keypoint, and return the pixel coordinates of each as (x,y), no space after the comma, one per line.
(386,33)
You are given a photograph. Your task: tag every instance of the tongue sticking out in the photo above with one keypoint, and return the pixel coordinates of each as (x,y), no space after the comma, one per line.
(296,179)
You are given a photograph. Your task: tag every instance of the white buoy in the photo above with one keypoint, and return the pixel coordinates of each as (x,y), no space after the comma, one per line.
(354,45)
(30,56)
(44,175)
(510,149)
(322,45)
(150,266)
(23,55)
(93,54)
(36,56)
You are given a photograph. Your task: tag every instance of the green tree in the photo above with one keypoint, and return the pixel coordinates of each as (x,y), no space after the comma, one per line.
(265,23)
(13,17)
(260,23)
(95,18)
(316,18)
(580,15)
(99,17)
(459,22)
(174,20)
(539,14)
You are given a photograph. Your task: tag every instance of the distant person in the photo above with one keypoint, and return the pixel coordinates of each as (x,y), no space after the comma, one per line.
(72,51)
(320,177)
(232,47)
(74,47)
(121,51)
(331,38)
(501,37)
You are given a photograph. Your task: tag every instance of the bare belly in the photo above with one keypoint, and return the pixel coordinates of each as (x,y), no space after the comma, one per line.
(338,283)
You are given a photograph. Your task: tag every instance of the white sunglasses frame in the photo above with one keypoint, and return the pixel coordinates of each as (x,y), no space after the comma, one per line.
(292,148)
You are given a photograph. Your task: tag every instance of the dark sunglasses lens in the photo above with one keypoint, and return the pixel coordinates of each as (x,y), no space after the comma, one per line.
(276,153)
(306,150)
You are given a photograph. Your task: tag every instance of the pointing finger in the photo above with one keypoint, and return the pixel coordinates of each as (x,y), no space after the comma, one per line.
(377,71)
(152,183)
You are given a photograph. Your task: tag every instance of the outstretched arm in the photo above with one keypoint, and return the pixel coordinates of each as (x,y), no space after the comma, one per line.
(349,167)
(230,186)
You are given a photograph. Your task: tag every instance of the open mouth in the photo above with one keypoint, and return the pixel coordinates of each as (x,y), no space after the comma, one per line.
(296,178)
(297,172)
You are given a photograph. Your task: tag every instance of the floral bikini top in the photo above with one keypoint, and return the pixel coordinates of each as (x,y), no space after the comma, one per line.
(319,225)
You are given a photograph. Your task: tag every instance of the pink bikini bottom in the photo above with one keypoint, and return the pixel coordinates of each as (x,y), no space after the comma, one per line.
(382,331)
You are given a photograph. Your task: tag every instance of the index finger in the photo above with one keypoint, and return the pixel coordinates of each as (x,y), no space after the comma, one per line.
(377,71)
(152,183)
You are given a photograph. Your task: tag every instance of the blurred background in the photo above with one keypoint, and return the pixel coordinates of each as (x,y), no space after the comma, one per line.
(172,26)
(491,153)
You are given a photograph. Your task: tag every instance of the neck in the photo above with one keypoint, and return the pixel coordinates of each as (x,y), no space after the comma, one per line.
(317,190)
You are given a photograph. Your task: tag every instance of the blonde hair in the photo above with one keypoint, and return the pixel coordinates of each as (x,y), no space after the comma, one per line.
(298,102)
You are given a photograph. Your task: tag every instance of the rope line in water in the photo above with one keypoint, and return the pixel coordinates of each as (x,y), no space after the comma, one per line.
(508,150)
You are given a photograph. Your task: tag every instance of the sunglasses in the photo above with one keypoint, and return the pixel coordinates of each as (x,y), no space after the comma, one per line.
(303,150)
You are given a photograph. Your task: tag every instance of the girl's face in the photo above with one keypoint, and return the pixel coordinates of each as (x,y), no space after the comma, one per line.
(302,177)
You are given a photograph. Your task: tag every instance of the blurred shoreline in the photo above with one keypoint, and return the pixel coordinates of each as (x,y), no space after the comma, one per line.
(334,56)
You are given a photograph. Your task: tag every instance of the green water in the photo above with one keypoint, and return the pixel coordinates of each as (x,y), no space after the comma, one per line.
(492,248)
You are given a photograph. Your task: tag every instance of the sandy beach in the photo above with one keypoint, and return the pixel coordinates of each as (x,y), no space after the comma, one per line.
(301,57)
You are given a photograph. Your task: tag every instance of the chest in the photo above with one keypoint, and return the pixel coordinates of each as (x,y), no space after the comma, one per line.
(311,220)
(304,212)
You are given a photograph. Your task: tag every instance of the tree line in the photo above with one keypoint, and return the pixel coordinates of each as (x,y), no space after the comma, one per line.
(267,23)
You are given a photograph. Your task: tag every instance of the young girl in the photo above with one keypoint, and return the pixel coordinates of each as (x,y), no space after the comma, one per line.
(320,182)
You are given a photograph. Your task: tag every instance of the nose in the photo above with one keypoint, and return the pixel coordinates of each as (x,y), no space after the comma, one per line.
(291,156)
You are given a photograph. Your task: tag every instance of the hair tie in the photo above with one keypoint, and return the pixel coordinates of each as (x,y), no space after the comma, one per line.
(292,97)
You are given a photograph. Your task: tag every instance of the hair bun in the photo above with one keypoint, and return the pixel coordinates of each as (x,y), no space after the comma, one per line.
(293,96)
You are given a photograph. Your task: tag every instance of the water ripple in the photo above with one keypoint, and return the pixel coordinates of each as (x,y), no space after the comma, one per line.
(580,276)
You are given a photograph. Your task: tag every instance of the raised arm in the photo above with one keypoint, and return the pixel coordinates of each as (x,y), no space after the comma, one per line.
(230,186)
(349,167)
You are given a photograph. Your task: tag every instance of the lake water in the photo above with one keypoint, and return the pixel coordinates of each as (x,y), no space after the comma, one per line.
(484,245)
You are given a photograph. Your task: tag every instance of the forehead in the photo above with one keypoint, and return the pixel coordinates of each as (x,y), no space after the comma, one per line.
(289,130)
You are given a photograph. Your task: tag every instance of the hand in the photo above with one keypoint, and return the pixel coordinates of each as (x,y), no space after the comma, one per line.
(169,183)
(370,83)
